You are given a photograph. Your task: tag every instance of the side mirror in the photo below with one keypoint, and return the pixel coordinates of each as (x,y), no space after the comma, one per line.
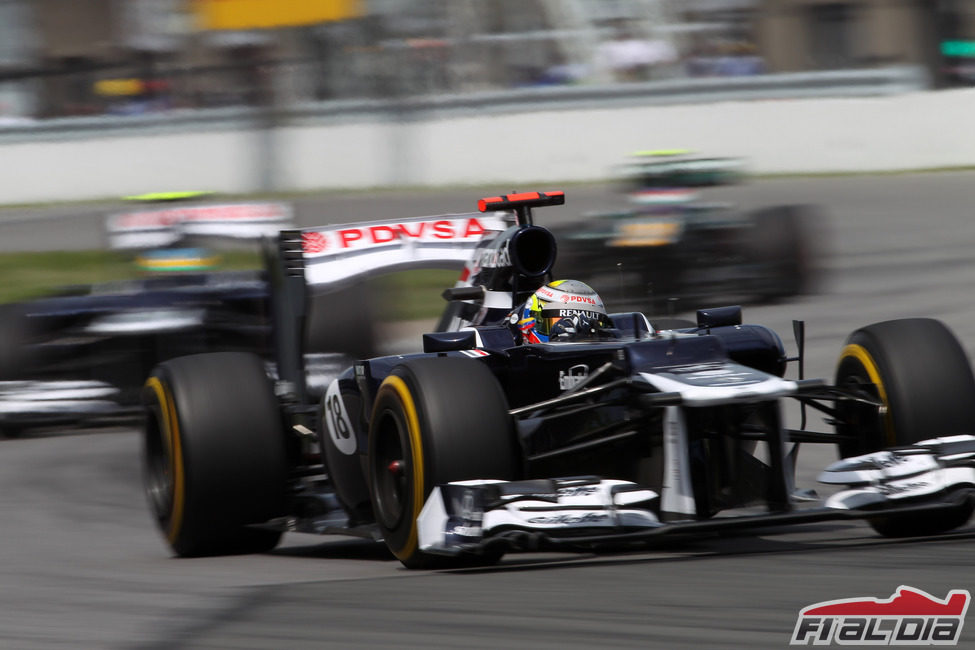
(450,341)
(719,317)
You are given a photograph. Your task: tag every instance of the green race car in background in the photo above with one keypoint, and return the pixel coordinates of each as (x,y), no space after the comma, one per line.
(668,250)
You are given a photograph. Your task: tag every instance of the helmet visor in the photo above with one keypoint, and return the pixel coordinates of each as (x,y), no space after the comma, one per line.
(549,317)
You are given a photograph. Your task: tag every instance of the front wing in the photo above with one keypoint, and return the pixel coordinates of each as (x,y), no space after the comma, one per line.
(583,513)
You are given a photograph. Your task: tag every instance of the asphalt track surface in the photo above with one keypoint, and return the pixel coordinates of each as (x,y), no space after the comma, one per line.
(81,565)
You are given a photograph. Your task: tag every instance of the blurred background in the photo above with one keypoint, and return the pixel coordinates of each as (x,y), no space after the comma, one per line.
(315,104)
(303,95)
(112,97)
(64,58)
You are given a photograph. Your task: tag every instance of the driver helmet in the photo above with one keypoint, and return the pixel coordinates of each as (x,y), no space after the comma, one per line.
(563,310)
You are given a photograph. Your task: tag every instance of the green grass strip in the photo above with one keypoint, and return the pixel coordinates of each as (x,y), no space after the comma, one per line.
(406,295)
(31,275)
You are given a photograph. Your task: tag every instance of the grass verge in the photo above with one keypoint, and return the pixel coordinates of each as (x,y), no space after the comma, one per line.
(31,275)
(23,276)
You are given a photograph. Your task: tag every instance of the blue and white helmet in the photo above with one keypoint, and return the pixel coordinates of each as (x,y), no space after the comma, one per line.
(562,310)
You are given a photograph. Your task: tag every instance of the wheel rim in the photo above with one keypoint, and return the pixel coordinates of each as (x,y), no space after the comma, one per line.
(862,417)
(391,471)
(159,475)
(868,423)
(164,474)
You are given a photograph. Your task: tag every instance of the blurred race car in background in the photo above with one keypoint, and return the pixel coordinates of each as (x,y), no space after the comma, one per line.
(670,251)
(483,443)
(83,353)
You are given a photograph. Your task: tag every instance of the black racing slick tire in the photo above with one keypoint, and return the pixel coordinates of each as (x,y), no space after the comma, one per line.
(923,523)
(343,321)
(15,361)
(919,371)
(786,242)
(214,454)
(434,420)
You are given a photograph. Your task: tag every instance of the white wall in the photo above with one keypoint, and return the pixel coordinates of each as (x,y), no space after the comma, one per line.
(103,166)
(909,131)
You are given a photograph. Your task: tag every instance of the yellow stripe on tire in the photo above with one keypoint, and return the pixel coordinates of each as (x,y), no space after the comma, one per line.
(860,353)
(171,435)
(416,453)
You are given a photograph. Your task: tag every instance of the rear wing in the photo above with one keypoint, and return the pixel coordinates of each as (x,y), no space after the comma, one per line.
(341,254)
(330,257)
(175,224)
(665,177)
(498,242)
(681,169)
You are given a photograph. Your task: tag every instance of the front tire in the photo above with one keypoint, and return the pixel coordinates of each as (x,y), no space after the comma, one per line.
(919,371)
(214,456)
(923,523)
(434,420)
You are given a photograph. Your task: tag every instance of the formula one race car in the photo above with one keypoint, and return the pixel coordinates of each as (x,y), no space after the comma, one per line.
(82,354)
(668,246)
(484,443)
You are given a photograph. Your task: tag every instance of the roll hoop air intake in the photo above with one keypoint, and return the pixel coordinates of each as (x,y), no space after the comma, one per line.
(531,249)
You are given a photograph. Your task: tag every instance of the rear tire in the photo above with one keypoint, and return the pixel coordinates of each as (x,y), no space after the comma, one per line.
(785,241)
(214,454)
(15,359)
(920,372)
(341,321)
(435,420)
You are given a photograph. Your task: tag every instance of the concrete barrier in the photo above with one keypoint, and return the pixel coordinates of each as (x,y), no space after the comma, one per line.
(848,134)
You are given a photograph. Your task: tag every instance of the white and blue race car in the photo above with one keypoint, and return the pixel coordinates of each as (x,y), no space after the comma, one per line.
(481,444)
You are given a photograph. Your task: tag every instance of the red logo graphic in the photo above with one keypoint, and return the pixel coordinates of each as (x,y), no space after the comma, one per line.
(585,299)
(361,237)
(909,617)
(313,242)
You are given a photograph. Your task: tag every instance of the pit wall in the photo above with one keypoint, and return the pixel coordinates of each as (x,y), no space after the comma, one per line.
(917,130)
